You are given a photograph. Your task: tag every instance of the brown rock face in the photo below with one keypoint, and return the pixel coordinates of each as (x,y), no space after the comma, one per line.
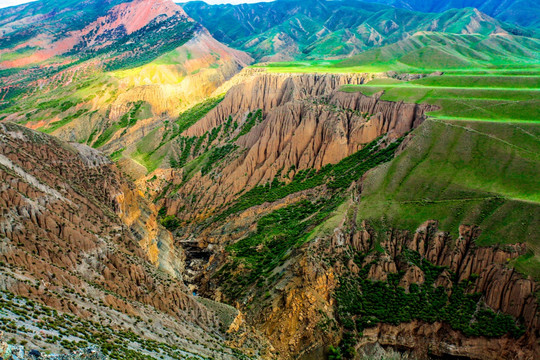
(260,90)
(70,224)
(307,124)
(438,339)
(298,318)
(503,288)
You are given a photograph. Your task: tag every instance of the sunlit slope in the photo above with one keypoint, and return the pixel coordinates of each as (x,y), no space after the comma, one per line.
(433,51)
(504,98)
(437,51)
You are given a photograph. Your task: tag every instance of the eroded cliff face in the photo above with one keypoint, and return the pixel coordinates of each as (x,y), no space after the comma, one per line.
(277,261)
(254,89)
(484,268)
(301,314)
(305,122)
(78,237)
(66,209)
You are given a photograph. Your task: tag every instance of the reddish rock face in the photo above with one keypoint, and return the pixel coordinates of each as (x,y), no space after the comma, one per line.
(121,20)
(69,222)
(308,123)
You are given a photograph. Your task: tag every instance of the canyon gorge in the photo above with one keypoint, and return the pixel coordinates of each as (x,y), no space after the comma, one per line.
(170,188)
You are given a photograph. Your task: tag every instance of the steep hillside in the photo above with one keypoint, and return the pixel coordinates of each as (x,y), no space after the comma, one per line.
(110,30)
(281,200)
(318,29)
(127,73)
(427,51)
(78,239)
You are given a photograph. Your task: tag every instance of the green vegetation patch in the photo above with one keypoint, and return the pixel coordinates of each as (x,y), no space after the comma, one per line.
(528,264)
(335,176)
(216,155)
(251,120)
(106,135)
(130,118)
(117,155)
(196,113)
(268,247)
(60,123)
(359,304)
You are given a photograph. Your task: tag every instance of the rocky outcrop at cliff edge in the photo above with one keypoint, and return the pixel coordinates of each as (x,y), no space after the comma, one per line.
(306,123)
(77,237)
(69,217)
(301,316)
(503,288)
(461,261)
(256,89)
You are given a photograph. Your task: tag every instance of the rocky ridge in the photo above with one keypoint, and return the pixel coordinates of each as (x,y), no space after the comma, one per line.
(307,123)
(79,238)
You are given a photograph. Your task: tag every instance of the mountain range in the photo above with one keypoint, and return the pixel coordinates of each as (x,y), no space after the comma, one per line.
(518,12)
(288,30)
(280,180)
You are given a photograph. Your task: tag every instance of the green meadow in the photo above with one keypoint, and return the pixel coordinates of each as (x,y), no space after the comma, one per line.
(506,98)
(464,173)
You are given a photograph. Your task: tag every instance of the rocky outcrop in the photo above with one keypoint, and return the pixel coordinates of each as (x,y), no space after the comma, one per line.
(299,316)
(308,123)
(420,339)
(503,288)
(255,89)
(73,230)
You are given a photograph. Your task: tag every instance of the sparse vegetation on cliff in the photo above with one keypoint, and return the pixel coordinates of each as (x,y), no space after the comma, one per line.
(335,176)
(360,303)
(278,233)
(195,113)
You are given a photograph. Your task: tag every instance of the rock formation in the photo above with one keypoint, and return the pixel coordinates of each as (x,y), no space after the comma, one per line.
(76,235)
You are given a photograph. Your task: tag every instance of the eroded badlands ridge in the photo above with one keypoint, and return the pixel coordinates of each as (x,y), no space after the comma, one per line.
(306,122)
(78,237)
(243,221)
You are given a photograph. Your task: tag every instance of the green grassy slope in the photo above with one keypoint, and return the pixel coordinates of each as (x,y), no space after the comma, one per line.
(427,52)
(437,51)
(467,97)
(475,173)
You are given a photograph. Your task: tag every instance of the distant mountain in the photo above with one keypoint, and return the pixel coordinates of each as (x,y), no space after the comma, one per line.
(442,51)
(125,32)
(314,29)
(519,12)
